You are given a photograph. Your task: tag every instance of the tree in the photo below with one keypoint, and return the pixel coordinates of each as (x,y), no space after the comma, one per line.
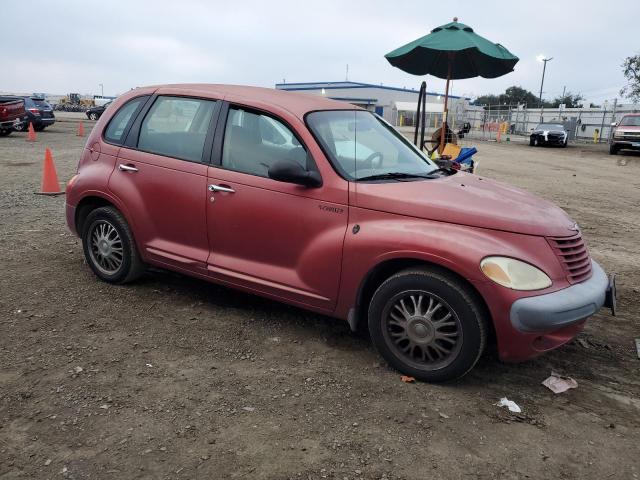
(571,100)
(512,96)
(631,71)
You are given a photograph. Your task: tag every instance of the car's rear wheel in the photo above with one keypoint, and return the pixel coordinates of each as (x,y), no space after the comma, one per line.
(427,324)
(109,247)
(39,128)
(613,149)
(93,116)
(5,133)
(21,127)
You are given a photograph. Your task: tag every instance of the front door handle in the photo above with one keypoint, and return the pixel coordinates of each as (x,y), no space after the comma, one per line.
(127,168)
(221,188)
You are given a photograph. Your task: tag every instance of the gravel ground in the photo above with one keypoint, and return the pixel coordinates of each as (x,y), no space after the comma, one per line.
(172,377)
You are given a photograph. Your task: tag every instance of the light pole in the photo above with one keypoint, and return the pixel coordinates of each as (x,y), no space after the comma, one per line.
(101,90)
(541,58)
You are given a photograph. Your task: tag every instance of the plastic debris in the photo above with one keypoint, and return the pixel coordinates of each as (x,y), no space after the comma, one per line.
(510,404)
(406,379)
(558,383)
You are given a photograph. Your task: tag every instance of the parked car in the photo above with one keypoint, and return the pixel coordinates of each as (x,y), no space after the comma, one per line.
(325,206)
(12,113)
(626,134)
(39,113)
(94,113)
(549,134)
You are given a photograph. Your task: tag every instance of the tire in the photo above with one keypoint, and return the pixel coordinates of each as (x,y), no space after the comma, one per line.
(39,128)
(21,127)
(613,150)
(116,267)
(565,143)
(93,116)
(5,133)
(406,337)
(532,142)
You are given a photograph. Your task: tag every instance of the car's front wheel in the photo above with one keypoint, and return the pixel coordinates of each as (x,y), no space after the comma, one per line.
(532,142)
(21,127)
(5,132)
(109,246)
(613,149)
(427,324)
(93,116)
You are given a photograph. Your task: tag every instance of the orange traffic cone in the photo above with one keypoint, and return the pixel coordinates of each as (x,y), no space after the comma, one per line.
(50,184)
(80,129)
(31,136)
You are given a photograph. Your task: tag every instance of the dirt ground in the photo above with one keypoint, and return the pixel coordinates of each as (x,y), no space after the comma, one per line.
(172,377)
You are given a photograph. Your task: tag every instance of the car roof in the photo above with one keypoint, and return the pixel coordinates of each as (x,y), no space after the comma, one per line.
(296,103)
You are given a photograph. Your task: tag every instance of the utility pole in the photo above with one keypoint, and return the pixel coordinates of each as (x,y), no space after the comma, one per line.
(544,69)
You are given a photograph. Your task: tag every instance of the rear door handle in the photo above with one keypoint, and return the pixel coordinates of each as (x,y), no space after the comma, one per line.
(221,188)
(127,168)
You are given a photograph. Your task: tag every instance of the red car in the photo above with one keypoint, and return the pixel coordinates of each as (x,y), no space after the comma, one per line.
(626,134)
(325,206)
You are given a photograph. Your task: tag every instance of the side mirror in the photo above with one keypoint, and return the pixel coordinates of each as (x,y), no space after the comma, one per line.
(614,124)
(292,172)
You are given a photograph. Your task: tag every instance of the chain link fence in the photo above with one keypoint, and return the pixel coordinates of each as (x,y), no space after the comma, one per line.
(498,122)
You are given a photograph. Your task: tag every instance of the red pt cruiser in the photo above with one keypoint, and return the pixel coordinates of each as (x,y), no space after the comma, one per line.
(325,206)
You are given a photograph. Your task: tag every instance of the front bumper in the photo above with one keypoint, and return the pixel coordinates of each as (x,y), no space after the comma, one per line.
(549,140)
(627,144)
(560,309)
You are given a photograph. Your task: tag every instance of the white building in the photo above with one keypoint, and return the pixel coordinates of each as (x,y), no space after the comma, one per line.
(396,105)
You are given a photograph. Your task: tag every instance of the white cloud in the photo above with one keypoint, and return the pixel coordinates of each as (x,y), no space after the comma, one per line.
(124,44)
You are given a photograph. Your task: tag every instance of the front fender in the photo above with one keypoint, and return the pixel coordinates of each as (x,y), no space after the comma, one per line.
(459,248)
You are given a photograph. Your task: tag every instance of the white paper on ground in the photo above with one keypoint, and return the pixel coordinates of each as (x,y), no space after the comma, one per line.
(510,404)
(558,384)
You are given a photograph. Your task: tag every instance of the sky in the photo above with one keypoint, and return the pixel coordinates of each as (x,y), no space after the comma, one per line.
(123,44)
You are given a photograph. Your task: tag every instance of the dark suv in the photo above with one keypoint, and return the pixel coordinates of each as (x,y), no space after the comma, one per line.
(39,113)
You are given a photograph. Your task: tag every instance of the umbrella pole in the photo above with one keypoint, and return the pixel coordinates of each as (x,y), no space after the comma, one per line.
(445,113)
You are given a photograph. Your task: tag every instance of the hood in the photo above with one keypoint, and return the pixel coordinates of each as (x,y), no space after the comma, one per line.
(468,199)
(551,130)
(628,128)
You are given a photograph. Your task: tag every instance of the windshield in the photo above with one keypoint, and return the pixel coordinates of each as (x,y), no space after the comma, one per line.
(361,144)
(630,121)
(549,126)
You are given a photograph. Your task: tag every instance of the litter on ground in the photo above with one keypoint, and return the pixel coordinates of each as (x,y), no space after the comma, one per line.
(558,383)
(510,404)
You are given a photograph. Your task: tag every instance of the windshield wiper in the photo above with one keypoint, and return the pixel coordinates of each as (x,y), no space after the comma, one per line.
(440,169)
(392,176)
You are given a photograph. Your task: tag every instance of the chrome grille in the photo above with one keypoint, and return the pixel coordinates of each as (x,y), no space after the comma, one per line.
(573,255)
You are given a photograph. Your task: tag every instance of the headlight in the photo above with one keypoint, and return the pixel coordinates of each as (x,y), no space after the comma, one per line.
(514,274)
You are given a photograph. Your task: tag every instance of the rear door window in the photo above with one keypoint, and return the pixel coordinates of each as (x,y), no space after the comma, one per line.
(119,124)
(176,127)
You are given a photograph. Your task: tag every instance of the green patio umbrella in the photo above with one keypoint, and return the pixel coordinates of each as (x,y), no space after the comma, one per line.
(453,52)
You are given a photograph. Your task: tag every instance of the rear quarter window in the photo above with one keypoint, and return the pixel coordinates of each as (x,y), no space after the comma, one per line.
(122,120)
(177,127)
